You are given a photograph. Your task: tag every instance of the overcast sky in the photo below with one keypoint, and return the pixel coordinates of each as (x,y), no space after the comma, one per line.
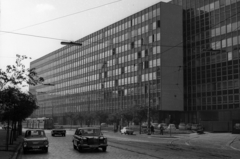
(24,22)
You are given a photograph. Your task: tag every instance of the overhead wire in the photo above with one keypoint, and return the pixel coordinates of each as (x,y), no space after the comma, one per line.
(66,16)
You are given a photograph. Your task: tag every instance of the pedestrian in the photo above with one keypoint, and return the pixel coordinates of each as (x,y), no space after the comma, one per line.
(152,129)
(161,130)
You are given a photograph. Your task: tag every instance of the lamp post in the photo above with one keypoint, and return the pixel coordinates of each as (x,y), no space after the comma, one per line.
(71,43)
(148,112)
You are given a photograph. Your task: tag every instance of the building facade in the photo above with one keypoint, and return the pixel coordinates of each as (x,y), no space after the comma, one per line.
(137,61)
(211,60)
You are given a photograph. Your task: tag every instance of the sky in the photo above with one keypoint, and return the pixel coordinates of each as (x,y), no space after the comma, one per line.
(36,27)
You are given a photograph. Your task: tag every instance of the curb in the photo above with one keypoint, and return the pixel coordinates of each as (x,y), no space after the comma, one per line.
(16,153)
(230,145)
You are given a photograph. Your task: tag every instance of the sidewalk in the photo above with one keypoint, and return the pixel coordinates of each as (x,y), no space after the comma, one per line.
(12,149)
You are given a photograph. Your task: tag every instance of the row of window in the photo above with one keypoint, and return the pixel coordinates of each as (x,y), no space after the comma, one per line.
(217,100)
(117,50)
(151,14)
(98,37)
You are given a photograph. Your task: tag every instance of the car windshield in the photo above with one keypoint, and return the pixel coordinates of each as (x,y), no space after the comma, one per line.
(89,132)
(34,133)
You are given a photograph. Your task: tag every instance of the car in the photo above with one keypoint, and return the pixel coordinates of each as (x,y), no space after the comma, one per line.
(200,129)
(155,125)
(35,140)
(182,126)
(188,126)
(171,126)
(104,125)
(5,127)
(237,126)
(58,131)
(163,124)
(144,125)
(127,130)
(194,127)
(89,138)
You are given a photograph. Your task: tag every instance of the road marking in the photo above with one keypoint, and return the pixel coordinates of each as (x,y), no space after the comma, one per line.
(230,145)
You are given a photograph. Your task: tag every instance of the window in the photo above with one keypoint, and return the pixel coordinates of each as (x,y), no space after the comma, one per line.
(158,23)
(132,45)
(229,56)
(139,54)
(154,25)
(146,64)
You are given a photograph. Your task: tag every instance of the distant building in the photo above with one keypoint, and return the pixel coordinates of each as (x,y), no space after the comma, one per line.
(211,59)
(137,61)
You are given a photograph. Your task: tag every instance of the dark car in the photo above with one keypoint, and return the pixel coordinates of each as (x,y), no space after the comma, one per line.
(200,129)
(5,127)
(89,138)
(35,140)
(58,131)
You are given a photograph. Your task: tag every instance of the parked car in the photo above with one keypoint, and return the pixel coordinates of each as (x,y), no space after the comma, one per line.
(182,126)
(58,131)
(144,125)
(35,140)
(171,126)
(188,126)
(237,126)
(155,125)
(5,127)
(200,129)
(89,138)
(104,125)
(194,127)
(165,126)
(127,130)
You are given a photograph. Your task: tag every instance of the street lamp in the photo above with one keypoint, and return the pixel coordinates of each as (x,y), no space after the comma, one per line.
(71,43)
(148,112)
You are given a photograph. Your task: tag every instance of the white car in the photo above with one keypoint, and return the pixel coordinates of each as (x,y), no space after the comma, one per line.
(171,126)
(126,130)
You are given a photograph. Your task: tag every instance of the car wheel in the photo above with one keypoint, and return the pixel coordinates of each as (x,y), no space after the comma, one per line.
(46,150)
(74,147)
(24,151)
(104,149)
(80,149)
(53,135)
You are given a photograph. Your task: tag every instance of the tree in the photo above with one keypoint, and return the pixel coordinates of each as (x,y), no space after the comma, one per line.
(101,116)
(14,77)
(80,117)
(128,114)
(72,117)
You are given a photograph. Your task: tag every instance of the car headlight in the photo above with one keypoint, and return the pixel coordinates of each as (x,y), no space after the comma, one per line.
(45,142)
(105,141)
(24,144)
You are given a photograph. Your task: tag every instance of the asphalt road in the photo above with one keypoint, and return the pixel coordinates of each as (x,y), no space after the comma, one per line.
(139,146)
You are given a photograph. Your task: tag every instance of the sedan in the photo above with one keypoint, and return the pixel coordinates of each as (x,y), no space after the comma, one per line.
(182,126)
(164,125)
(127,130)
(89,138)
(172,127)
(58,131)
(35,140)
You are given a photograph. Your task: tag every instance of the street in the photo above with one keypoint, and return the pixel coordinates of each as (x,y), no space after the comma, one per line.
(139,146)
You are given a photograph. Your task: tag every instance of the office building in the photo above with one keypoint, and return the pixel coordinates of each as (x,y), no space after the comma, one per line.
(211,60)
(135,62)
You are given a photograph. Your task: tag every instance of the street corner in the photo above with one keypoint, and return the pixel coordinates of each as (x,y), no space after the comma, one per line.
(235,144)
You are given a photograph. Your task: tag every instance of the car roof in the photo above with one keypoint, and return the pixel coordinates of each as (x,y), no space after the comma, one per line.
(88,128)
(34,130)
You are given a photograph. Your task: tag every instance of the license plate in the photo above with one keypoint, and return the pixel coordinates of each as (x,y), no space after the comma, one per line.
(35,147)
(35,142)
(93,146)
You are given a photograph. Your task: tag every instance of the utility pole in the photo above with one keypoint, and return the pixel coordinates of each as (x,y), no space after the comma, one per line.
(148,112)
